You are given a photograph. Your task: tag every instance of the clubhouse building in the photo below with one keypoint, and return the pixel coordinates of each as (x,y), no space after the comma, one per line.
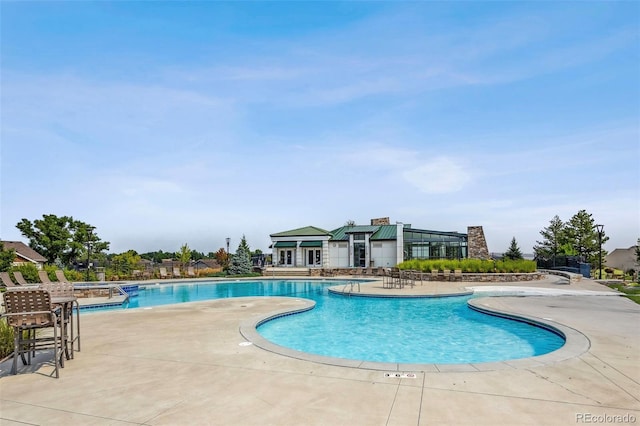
(379,244)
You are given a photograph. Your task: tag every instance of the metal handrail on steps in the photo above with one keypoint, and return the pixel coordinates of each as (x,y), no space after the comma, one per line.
(351,284)
(120,290)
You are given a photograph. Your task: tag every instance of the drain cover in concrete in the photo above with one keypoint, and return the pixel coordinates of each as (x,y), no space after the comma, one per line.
(401,375)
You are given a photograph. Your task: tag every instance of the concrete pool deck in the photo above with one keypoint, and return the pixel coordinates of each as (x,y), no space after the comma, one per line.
(189,364)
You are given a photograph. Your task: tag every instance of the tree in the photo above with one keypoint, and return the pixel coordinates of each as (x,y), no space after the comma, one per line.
(583,237)
(513,252)
(553,240)
(61,239)
(241,261)
(125,263)
(350,222)
(156,256)
(85,243)
(184,255)
(6,258)
(222,257)
(196,255)
(638,252)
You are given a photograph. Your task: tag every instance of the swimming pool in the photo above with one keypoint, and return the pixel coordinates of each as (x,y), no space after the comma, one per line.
(401,330)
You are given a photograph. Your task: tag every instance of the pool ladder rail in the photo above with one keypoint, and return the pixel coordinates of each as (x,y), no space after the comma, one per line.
(351,285)
(115,286)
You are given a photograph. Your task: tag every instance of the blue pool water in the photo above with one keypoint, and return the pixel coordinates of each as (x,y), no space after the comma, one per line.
(404,330)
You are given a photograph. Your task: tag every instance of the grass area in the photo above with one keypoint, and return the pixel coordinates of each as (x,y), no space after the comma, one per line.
(631,292)
(609,273)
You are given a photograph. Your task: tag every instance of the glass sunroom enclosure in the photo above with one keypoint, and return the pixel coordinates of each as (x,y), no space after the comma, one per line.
(423,244)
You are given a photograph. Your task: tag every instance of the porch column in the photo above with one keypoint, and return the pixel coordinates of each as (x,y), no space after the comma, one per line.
(350,248)
(367,251)
(299,261)
(325,253)
(399,242)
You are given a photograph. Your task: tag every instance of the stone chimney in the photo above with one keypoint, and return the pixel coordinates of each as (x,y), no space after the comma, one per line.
(380,221)
(476,243)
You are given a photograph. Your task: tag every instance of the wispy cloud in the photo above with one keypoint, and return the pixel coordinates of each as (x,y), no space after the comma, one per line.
(438,176)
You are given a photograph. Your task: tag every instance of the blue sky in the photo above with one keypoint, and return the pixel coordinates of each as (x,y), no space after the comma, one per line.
(164,123)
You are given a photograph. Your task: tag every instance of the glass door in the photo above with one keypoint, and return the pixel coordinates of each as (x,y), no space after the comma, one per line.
(359,255)
(313,257)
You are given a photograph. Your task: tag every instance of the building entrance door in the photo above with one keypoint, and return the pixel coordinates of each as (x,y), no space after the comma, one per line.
(359,255)
(313,257)
(286,257)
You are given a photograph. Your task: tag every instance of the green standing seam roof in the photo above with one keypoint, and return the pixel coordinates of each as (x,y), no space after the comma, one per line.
(379,232)
(280,244)
(311,244)
(302,232)
(339,234)
(386,232)
(365,229)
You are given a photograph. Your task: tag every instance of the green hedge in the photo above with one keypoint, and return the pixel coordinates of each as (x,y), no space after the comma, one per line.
(470,265)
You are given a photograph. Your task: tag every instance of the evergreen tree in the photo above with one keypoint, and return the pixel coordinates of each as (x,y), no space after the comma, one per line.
(554,239)
(240,263)
(583,237)
(577,237)
(513,252)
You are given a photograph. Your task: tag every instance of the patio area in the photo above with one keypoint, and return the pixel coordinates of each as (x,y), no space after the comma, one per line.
(189,364)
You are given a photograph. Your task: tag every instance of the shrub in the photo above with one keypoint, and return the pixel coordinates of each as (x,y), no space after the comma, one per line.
(209,272)
(73,275)
(6,338)
(29,272)
(51,271)
(470,265)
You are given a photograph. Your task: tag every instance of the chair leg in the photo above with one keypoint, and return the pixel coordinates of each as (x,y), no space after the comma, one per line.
(63,340)
(57,354)
(31,338)
(16,350)
(78,323)
(24,349)
(72,332)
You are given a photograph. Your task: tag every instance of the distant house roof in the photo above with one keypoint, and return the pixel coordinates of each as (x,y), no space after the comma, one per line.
(24,251)
(307,231)
(207,263)
(624,259)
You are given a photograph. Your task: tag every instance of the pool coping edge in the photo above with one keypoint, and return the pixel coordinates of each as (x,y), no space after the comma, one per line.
(575,344)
